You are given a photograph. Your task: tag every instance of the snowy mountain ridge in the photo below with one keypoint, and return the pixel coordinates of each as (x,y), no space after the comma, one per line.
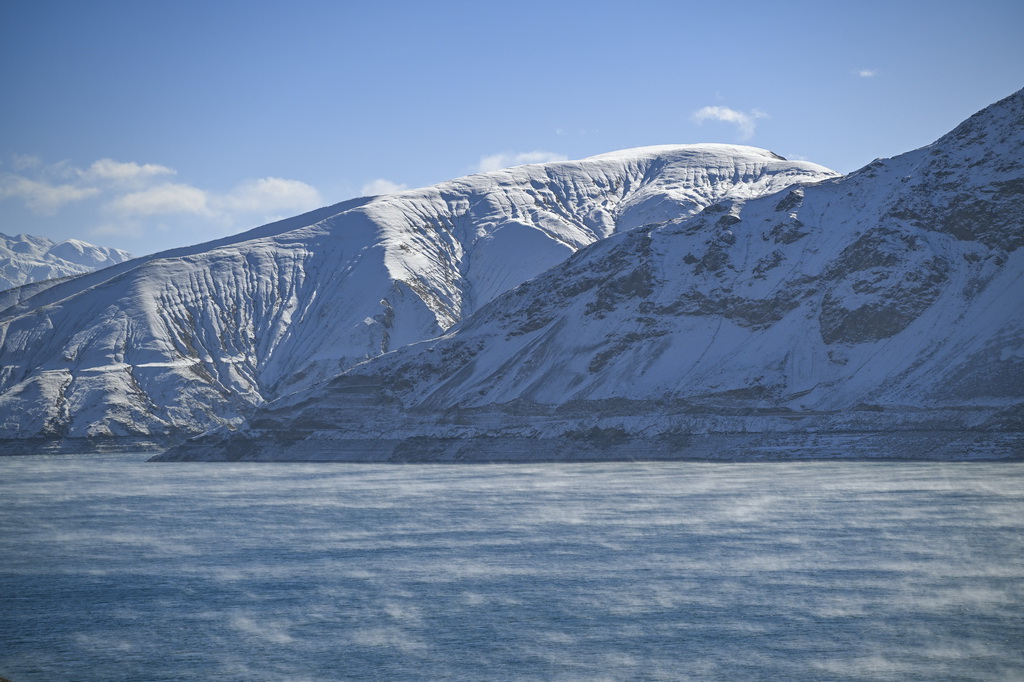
(878,314)
(25,259)
(172,344)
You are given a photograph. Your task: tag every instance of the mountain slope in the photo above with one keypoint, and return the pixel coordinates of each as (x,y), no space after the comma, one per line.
(25,259)
(178,342)
(879,313)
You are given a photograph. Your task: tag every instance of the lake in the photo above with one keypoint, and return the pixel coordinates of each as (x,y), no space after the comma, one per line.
(117,569)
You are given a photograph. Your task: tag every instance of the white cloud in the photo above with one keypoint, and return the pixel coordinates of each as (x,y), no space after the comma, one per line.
(141,199)
(47,187)
(380,186)
(42,197)
(263,197)
(62,170)
(24,162)
(162,199)
(744,122)
(504,160)
(119,171)
(269,195)
(866,73)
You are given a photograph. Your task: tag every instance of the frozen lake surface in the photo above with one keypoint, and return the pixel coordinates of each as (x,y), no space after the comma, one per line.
(115,569)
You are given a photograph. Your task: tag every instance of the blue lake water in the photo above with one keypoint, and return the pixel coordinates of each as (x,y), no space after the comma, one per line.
(115,569)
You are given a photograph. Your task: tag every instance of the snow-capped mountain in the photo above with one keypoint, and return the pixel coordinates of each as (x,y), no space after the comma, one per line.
(178,342)
(881,312)
(25,259)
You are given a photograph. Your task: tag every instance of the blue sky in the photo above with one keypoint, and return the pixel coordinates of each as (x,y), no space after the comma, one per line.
(148,125)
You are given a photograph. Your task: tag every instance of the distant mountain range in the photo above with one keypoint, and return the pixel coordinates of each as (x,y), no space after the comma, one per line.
(25,259)
(665,302)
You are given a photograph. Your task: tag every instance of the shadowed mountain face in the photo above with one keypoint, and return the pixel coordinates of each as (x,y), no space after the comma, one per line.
(179,342)
(887,301)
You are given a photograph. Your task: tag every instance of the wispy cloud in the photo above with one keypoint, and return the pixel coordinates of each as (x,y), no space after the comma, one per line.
(42,197)
(24,162)
(133,198)
(267,196)
(745,122)
(866,73)
(45,188)
(260,199)
(495,162)
(380,186)
(161,200)
(119,171)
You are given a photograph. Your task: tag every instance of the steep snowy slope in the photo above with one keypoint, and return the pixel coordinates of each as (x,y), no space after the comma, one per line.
(178,342)
(881,312)
(25,259)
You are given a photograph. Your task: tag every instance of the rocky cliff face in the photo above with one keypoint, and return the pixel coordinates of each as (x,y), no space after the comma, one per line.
(179,342)
(862,312)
